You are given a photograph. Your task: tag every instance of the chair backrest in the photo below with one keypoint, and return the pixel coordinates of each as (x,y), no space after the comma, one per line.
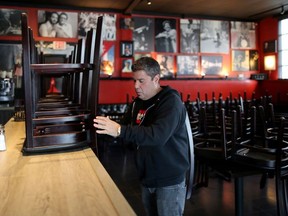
(28,91)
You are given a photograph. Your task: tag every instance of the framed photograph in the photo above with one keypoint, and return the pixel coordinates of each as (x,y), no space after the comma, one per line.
(107,58)
(143,34)
(88,20)
(270,46)
(127,23)
(57,24)
(211,65)
(189,35)
(254,60)
(127,65)
(187,65)
(240,60)
(214,36)
(243,35)
(166,63)
(10,21)
(165,35)
(126,48)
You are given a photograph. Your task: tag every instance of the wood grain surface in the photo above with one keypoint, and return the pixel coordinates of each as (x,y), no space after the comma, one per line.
(66,183)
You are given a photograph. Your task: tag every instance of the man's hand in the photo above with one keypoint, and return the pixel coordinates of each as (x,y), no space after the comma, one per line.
(104,125)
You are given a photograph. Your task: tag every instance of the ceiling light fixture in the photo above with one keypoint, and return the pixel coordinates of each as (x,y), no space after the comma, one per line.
(149,2)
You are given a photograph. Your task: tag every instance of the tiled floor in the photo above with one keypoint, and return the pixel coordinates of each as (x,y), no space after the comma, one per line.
(216,199)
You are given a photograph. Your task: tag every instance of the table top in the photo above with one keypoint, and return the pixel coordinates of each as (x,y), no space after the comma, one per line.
(66,183)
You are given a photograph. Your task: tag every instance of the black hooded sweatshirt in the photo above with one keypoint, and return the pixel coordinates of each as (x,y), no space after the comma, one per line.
(158,132)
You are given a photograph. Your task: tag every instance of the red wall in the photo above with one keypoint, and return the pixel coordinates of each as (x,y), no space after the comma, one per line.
(115,91)
(277,88)
(268,30)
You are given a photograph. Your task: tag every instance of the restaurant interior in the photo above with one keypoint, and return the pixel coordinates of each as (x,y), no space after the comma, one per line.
(223,60)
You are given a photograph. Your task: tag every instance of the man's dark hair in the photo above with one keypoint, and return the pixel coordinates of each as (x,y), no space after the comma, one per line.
(147,64)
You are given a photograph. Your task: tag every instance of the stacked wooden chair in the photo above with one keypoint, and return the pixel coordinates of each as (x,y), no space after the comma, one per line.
(61,122)
(269,155)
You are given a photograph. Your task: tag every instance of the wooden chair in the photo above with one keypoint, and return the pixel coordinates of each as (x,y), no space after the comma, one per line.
(54,129)
(272,160)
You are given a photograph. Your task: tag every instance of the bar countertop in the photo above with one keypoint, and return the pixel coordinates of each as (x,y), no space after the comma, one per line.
(58,184)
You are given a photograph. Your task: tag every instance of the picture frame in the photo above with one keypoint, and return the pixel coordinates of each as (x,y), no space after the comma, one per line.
(107,59)
(164,28)
(127,65)
(190,35)
(166,63)
(10,20)
(126,49)
(69,19)
(187,65)
(240,60)
(243,35)
(143,34)
(270,46)
(127,23)
(253,60)
(214,36)
(211,65)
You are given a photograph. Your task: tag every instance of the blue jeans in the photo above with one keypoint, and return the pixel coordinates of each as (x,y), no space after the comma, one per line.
(164,201)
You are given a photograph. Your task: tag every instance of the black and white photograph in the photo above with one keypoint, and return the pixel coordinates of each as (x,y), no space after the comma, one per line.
(59,24)
(126,48)
(10,21)
(211,65)
(143,34)
(240,60)
(189,35)
(127,23)
(88,20)
(187,65)
(165,35)
(214,36)
(109,27)
(166,63)
(127,65)
(243,35)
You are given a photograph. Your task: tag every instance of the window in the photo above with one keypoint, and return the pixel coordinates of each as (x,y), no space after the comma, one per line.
(283,49)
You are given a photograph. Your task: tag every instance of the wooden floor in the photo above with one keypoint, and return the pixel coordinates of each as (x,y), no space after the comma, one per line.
(216,199)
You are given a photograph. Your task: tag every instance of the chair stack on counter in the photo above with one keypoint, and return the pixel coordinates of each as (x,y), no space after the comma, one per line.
(63,120)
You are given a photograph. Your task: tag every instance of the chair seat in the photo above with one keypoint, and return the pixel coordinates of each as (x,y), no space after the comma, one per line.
(209,150)
(255,158)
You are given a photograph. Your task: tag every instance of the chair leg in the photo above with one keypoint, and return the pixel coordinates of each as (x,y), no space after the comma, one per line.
(280,194)
(285,194)
(263,180)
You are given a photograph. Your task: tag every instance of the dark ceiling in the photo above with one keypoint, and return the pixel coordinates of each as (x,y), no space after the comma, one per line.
(230,9)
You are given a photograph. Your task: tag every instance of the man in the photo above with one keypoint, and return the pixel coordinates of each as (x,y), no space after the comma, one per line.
(157,130)
(47,29)
(62,28)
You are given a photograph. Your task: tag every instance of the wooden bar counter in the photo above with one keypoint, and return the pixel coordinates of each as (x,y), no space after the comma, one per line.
(58,184)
